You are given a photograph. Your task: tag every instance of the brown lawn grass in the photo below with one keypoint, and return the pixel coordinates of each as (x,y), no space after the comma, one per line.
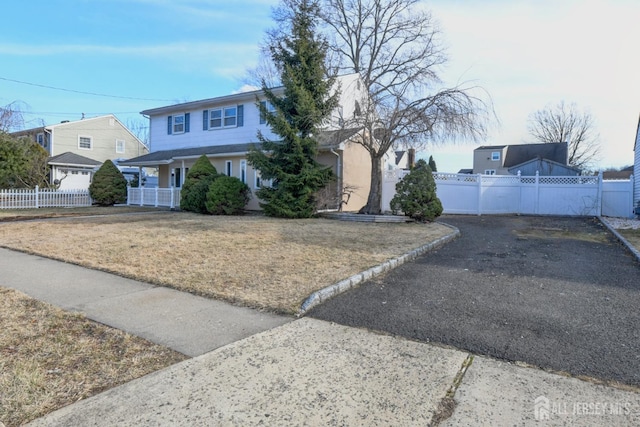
(21,214)
(251,260)
(632,236)
(50,358)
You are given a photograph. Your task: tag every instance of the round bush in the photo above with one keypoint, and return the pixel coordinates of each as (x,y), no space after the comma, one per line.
(108,186)
(416,194)
(227,195)
(193,194)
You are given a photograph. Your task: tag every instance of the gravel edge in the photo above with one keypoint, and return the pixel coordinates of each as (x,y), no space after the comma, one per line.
(322,295)
(618,236)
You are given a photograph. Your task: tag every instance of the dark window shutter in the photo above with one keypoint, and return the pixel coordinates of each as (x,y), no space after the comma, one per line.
(240,115)
(186,122)
(169,125)
(205,120)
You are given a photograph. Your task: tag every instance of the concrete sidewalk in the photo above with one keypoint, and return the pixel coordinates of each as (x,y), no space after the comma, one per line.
(256,368)
(183,322)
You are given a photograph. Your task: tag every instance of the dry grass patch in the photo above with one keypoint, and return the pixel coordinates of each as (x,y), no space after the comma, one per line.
(19,214)
(253,260)
(632,236)
(50,358)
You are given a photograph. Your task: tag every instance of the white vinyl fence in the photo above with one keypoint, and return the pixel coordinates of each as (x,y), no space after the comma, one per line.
(43,198)
(534,195)
(154,196)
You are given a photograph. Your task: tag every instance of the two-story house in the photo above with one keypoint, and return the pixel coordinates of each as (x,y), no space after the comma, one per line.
(77,148)
(225,128)
(528,159)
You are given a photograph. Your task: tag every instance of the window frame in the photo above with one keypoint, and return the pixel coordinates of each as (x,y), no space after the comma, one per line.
(222,117)
(270,109)
(243,171)
(123,143)
(495,156)
(80,138)
(489,171)
(228,167)
(175,123)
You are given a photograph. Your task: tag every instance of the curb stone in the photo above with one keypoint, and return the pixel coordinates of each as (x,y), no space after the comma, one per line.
(322,295)
(630,247)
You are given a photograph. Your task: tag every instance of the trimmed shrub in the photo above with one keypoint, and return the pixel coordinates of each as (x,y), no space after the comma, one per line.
(193,196)
(416,194)
(227,195)
(108,186)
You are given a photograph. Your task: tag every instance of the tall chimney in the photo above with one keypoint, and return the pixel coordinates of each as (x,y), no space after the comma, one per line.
(411,153)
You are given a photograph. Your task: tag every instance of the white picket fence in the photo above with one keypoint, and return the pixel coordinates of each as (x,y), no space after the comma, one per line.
(43,198)
(154,196)
(515,194)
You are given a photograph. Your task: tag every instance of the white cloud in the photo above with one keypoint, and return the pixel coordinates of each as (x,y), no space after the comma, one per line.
(529,54)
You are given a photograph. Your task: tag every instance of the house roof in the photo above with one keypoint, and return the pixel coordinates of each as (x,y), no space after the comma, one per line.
(326,139)
(542,160)
(168,156)
(488,147)
(522,153)
(71,159)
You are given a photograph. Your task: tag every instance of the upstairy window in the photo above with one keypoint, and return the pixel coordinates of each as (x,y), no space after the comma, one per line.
(178,124)
(84,142)
(225,117)
(269,107)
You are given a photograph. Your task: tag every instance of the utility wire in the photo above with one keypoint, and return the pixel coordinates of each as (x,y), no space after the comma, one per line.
(84,93)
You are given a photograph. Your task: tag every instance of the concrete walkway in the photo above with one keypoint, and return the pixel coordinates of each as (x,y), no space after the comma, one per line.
(255,368)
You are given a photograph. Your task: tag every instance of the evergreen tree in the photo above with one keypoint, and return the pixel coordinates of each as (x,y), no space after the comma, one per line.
(290,164)
(432,164)
(108,186)
(416,194)
(193,195)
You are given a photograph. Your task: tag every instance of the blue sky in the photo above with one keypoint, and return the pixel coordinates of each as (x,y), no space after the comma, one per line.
(150,53)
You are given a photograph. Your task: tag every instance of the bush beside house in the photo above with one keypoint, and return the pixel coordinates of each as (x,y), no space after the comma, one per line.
(109,186)
(416,194)
(227,195)
(193,196)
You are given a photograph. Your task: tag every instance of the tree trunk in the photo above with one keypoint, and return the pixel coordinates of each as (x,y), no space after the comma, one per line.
(374,201)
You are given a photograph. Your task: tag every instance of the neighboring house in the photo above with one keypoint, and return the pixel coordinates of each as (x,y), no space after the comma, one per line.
(623,174)
(545,159)
(225,128)
(74,146)
(636,171)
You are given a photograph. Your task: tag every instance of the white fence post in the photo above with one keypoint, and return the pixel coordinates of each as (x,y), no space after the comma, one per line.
(536,202)
(37,191)
(479,194)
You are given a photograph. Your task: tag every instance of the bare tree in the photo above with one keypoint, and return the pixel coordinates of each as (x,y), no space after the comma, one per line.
(11,118)
(140,128)
(566,123)
(395,47)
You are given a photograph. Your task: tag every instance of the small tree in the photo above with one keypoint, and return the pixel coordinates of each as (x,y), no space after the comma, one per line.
(416,194)
(109,186)
(291,162)
(432,164)
(23,163)
(193,196)
(227,195)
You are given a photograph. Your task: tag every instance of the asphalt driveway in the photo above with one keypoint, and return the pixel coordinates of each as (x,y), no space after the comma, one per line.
(558,293)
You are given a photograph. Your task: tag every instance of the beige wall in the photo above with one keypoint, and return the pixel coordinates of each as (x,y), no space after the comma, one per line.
(482,161)
(357,174)
(103,131)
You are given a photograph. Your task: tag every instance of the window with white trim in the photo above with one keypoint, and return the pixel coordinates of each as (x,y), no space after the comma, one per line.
(243,171)
(258,180)
(84,142)
(223,117)
(495,156)
(178,124)
(490,172)
(40,140)
(228,168)
(120,144)
(270,108)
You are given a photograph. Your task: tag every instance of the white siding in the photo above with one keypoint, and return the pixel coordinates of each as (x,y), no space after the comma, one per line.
(636,168)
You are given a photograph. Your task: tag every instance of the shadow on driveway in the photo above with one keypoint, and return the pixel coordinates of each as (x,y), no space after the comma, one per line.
(558,293)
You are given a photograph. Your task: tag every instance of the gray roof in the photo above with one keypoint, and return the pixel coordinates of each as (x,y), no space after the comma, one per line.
(69,158)
(167,156)
(521,153)
(326,139)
